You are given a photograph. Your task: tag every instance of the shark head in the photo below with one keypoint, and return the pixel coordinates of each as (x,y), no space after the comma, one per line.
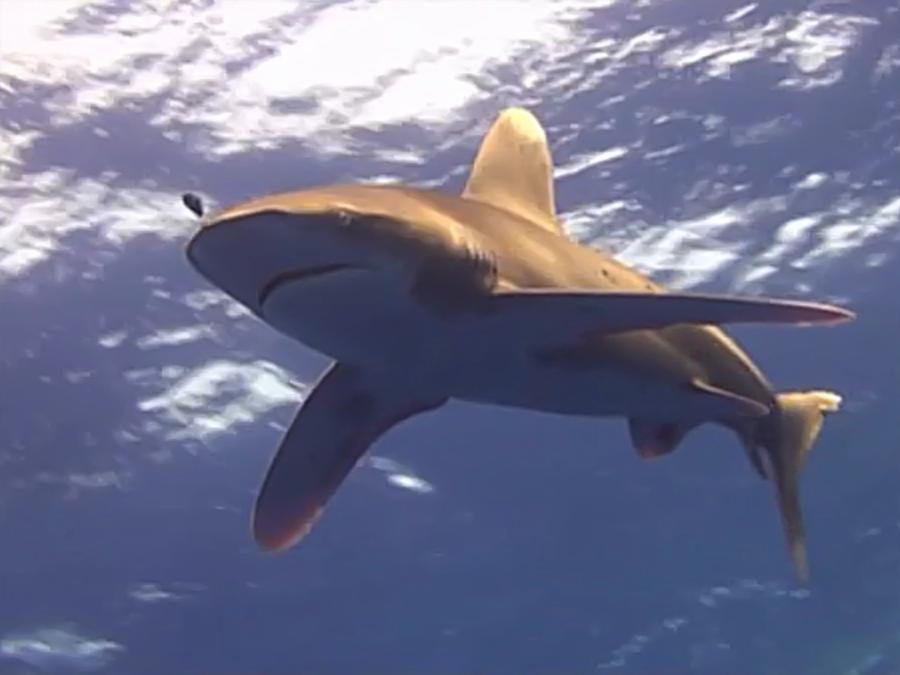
(318,274)
(253,255)
(328,265)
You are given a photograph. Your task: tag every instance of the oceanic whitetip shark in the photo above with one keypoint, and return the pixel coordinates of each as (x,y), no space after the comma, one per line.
(420,296)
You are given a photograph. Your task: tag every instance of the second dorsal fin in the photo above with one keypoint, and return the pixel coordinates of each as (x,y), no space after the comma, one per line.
(513,169)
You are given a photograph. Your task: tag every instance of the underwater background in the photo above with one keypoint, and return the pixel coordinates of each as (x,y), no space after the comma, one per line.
(715,145)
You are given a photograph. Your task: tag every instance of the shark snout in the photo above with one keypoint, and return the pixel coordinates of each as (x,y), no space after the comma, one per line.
(250,257)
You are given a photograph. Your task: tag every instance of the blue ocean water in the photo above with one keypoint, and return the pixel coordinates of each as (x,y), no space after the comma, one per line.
(715,145)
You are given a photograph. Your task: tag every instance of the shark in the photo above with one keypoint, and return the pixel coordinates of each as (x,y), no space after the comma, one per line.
(419,296)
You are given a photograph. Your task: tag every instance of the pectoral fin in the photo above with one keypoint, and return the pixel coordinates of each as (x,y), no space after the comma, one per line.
(584,311)
(347,410)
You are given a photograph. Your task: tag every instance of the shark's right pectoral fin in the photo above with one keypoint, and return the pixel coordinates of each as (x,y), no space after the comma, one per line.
(347,410)
(582,312)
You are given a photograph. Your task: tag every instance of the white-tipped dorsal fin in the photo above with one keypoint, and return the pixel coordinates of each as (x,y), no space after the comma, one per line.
(513,169)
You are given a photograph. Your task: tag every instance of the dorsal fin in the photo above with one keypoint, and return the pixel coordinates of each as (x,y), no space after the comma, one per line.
(513,169)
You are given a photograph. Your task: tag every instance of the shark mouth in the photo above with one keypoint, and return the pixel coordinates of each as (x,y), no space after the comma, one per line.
(305,274)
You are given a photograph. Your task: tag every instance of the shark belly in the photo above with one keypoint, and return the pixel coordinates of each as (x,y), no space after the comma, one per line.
(523,383)
(367,316)
(490,366)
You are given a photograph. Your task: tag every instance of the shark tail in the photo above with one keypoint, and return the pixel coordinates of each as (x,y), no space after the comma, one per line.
(786,438)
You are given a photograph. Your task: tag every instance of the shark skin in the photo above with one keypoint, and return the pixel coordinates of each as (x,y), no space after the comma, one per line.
(420,296)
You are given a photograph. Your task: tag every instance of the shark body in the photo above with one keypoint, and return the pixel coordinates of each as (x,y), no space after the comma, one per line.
(420,296)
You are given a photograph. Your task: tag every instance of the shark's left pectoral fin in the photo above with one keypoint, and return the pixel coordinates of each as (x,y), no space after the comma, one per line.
(584,312)
(347,410)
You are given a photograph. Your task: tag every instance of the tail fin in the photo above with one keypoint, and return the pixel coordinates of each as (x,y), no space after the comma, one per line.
(795,425)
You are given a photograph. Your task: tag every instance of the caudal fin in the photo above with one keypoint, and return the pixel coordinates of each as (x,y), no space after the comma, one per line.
(796,424)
